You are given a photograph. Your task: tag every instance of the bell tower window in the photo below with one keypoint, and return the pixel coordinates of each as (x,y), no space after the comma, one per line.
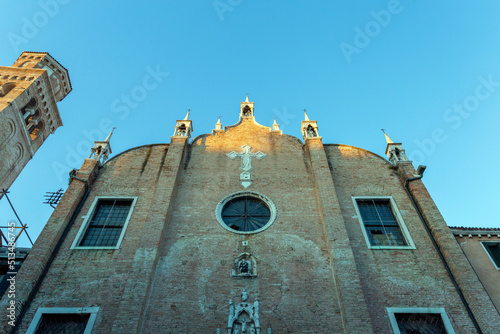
(247,111)
(36,130)
(6,88)
(32,119)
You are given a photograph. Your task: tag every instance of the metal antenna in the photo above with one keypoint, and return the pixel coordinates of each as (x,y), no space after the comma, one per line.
(53,198)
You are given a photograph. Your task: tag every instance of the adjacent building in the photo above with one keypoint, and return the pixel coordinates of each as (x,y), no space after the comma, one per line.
(29,92)
(482,248)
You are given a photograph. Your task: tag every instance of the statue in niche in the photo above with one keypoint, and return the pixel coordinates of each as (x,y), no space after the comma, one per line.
(310,131)
(243,326)
(244,266)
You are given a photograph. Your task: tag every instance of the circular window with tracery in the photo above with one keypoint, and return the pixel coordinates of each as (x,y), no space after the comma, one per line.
(246,212)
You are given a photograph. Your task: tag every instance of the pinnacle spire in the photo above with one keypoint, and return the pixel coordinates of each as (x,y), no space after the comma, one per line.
(246,100)
(187,115)
(218,121)
(108,138)
(387,139)
(305,115)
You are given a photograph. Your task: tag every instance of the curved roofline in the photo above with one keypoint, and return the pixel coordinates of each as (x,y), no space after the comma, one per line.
(131,149)
(210,134)
(200,136)
(238,123)
(241,120)
(362,149)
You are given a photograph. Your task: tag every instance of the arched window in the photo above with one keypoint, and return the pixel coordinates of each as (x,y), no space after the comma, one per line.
(24,64)
(36,130)
(182,130)
(29,110)
(247,111)
(6,88)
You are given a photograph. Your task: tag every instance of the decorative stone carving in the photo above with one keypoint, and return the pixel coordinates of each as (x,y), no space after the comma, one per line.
(244,266)
(244,317)
(246,163)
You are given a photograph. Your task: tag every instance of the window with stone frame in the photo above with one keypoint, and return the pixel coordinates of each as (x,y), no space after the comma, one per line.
(420,321)
(105,226)
(382,223)
(493,250)
(50,320)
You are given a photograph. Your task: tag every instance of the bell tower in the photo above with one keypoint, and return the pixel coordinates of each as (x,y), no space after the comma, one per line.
(395,151)
(29,92)
(246,109)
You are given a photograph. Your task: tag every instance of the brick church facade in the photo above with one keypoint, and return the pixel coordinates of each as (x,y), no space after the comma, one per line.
(248,230)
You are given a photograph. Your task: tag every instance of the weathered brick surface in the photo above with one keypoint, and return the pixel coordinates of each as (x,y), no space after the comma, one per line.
(400,278)
(315,271)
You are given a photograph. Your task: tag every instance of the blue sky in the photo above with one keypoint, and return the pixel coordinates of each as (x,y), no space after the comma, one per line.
(428,72)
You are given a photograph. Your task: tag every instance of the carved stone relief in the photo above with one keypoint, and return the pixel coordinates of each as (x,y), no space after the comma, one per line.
(243,317)
(244,266)
(246,163)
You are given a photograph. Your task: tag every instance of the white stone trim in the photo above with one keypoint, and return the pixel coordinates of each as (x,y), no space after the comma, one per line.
(89,215)
(393,310)
(399,219)
(267,200)
(64,310)
(488,253)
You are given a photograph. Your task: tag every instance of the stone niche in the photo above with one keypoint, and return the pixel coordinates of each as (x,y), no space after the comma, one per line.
(244,266)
